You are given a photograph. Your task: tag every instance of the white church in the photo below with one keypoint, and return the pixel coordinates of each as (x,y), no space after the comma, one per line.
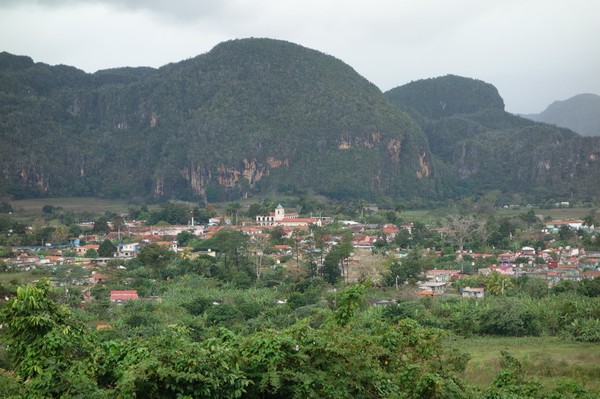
(279,218)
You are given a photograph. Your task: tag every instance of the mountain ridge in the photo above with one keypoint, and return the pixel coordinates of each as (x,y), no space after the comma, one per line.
(223,124)
(580,113)
(268,116)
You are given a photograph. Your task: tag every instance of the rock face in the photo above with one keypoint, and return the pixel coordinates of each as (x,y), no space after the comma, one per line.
(250,115)
(268,116)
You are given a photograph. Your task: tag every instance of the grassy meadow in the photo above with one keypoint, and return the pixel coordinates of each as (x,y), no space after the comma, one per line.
(547,359)
(75,204)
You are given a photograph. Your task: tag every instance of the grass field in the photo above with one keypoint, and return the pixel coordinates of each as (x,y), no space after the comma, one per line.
(7,278)
(547,359)
(94,205)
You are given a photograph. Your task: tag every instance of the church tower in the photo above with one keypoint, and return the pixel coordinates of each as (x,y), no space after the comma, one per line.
(279,213)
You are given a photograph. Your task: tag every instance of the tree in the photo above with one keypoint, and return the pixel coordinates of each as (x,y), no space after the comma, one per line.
(407,270)
(497,284)
(350,300)
(101,225)
(529,218)
(172,213)
(262,245)
(566,233)
(45,343)
(118,222)
(462,229)
(360,207)
(589,220)
(156,257)
(107,249)
(331,267)
(232,209)
(91,253)
(231,244)
(185,238)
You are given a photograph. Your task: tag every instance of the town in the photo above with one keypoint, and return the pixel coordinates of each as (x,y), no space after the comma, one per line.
(154,298)
(285,240)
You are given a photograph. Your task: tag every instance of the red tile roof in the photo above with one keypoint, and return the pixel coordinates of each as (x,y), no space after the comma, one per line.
(123,295)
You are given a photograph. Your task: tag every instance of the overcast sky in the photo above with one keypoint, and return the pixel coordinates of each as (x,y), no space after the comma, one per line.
(533,51)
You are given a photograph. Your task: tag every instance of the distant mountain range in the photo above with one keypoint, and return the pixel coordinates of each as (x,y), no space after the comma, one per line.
(580,113)
(268,116)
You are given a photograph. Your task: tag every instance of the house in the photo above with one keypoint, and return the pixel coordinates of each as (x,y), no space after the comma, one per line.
(389,231)
(97,278)
(431,288)
(279,218)
(120,296)
(441,276)
(506,258)
(171,245)
(474,292)
(554,226)
(82,249)
(130,250)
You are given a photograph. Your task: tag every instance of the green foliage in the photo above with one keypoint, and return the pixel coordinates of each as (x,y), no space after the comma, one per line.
(156,257)
(45,343)
(348,302)
(91,253)
(107,249)
(170,365)
(185,238)
(101,225)
(356,361)
(586,330)
(446,96)
(405,270)
(497,283)
(331,267)
(172,213)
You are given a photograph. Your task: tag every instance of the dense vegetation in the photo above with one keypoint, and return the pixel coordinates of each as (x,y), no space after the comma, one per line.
(490,149)
(266,116)
(239,324)
(249,115)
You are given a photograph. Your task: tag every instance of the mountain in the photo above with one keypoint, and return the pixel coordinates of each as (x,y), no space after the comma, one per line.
(489,149)
(272,117)
(580,113)
(251,115)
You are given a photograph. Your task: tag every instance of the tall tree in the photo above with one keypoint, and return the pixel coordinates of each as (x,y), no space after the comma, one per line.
(463,229)
(107,249)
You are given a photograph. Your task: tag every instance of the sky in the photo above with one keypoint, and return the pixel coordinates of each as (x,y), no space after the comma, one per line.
(534,51)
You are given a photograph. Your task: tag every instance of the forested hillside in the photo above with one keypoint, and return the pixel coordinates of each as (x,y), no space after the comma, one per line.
(250,115)
(267,116)
(489,149)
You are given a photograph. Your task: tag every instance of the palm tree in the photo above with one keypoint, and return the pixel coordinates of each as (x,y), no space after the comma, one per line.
(589,220)
(497,283)
(232,209)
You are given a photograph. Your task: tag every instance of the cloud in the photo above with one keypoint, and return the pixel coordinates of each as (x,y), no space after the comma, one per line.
(534,51)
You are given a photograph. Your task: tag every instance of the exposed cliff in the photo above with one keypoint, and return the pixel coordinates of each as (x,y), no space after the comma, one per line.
(250,115)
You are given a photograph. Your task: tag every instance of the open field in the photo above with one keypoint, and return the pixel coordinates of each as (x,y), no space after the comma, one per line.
(75,204)
(547,359)
(6,278)
(33,207)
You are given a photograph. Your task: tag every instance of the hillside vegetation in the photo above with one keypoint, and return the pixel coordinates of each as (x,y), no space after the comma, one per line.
(489,149)
(261,116)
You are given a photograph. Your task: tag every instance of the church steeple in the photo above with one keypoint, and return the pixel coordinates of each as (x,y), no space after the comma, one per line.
(279,212)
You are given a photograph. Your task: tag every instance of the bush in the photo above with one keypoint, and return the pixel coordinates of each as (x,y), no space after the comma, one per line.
(586,330)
